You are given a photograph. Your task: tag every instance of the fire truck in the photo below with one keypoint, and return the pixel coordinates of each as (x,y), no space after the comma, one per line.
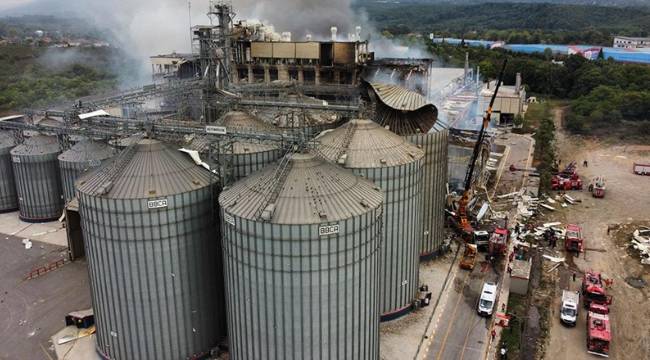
(573,240)
(599,332)
(593,290)
(567,179)
(597,187)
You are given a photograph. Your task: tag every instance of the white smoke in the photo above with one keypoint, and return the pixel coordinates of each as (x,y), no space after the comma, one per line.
(150,27)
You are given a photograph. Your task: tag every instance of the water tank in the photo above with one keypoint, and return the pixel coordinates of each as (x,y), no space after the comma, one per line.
(395,165)
(8,195)
(152,244)
(301,245)
(38,181)
(248,156)
(82,157)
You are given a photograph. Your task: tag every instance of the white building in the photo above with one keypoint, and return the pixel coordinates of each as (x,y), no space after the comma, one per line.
(510,102)
(631,42)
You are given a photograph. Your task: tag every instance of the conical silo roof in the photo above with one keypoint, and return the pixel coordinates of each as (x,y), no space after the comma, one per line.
(364,144)
(37,145)
(239,120)
(150,169)
(7,141)
(87,150)
(310,191)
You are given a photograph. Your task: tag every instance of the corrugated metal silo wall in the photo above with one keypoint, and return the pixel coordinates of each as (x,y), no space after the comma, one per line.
(246,164)
(156,275)
(38,183)
(402,222)
(70,172)
(8,195)
(294,295)
(434,189)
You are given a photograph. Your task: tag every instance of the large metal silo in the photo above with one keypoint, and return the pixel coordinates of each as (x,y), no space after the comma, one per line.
(409,114)
(79,159)
(301,243)
(434,189)
(395,165)
(38,181)
(152,244)
(8,195)
(246,157)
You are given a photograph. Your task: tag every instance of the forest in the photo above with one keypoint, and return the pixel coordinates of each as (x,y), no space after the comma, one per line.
(513,23)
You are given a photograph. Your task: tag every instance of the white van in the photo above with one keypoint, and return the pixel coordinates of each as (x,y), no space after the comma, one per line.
(488,297)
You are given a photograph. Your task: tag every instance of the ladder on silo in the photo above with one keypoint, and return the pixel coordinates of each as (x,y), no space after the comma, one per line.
(277,181)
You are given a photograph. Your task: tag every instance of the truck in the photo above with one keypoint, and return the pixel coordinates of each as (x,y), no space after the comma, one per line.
(599,331)
(562,183)
(593,290)
(597,187)
(569,310)
(498,242)
(641,169)
(469,257)
(486,301)
(573,240)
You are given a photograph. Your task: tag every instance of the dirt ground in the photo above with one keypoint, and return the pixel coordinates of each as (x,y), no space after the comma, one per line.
(626,205)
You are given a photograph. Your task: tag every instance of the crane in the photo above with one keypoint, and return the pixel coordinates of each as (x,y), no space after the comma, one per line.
(463,220)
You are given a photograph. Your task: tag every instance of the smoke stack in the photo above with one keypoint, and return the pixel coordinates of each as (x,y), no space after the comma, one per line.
(358,31)
(518,84)
(466,67)
(478,75)
(334,31)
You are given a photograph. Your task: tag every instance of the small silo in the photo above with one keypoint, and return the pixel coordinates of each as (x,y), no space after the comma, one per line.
(395,165)
(248,156)
(80,158)
(38,180)
(8,196)
(409,114)
(301,244)
(152,244)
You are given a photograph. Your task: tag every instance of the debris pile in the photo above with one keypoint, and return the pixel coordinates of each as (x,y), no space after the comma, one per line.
(641,243)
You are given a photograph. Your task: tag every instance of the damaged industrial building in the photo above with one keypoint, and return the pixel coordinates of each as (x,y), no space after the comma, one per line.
(275,204)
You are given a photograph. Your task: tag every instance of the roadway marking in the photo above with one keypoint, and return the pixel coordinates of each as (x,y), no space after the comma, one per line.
(469,331)
(453,316)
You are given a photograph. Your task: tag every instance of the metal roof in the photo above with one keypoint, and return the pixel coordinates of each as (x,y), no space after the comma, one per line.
(87,150)
(365,144)
(150,169)
(245,122)
(37,145)
(312,191)
(6,140)
(405,112)
(399,98)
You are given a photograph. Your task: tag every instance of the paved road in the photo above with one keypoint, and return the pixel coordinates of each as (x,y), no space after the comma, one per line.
(461,333)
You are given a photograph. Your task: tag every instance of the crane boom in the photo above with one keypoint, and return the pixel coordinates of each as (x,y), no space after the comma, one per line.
(464,224)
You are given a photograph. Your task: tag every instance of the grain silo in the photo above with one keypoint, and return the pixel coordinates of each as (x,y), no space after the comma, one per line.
(408,114)
(80,158)
(395,165)
(8,196)
(152,244)
(308,122)
(247,156)
(301,247)
(38,181)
